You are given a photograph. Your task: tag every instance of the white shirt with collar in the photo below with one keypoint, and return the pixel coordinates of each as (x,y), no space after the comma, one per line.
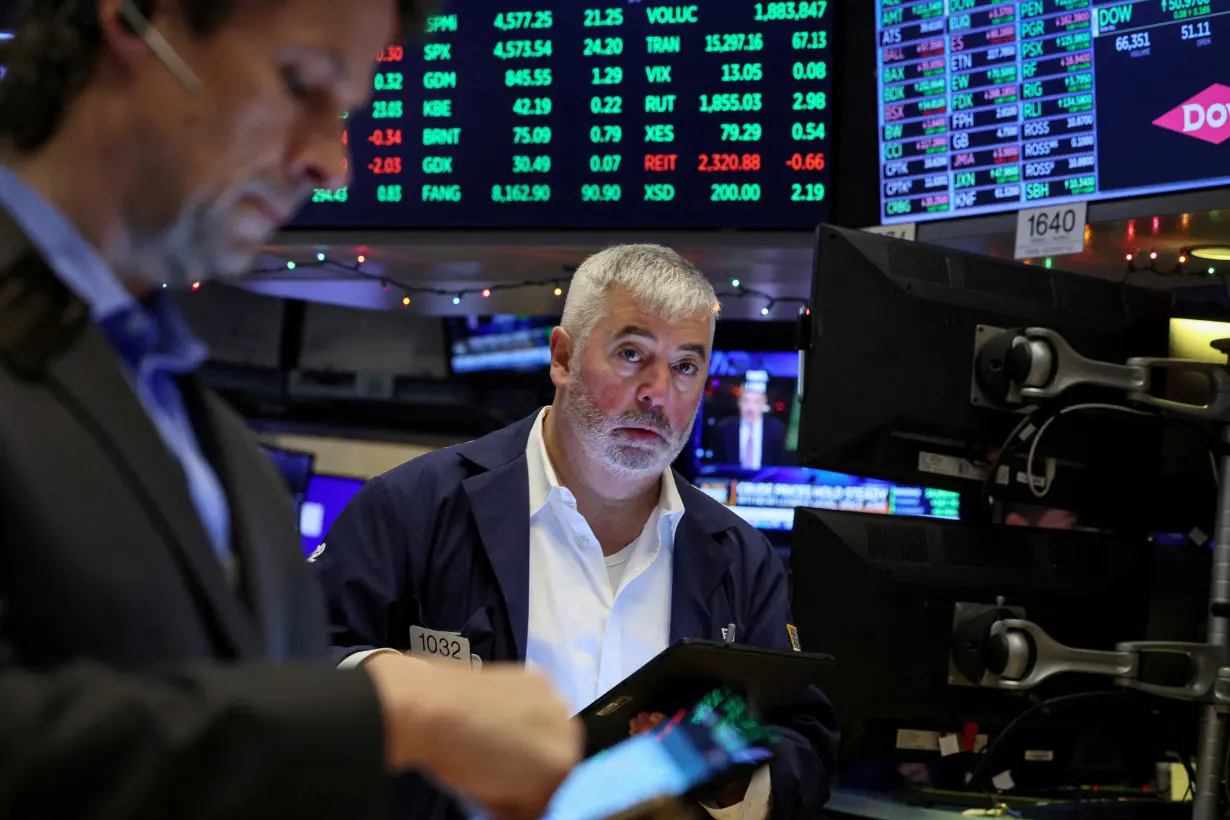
(594,619)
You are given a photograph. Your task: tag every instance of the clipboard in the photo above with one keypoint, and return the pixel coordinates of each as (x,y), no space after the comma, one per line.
(685,671)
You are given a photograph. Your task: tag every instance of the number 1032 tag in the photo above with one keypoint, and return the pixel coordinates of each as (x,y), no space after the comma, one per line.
(443,645)
(1052,231)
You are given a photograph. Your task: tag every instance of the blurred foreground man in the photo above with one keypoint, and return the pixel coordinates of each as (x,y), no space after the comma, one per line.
(163,648)
(567,541)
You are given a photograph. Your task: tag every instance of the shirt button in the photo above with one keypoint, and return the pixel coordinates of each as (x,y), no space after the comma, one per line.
(584,541)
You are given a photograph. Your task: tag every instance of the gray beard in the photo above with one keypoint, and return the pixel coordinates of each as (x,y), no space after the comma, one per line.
(596,432)
(190,249)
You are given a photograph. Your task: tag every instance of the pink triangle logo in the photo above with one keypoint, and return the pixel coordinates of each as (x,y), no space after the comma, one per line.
(1204,116)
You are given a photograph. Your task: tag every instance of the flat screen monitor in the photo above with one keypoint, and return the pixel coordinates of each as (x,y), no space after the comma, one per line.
(556,114)
(992,105)
(480,344)
(295,468)
(327,496)
(745,444)
(907,379)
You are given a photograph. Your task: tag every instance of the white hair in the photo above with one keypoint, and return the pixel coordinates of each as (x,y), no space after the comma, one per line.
(663,283)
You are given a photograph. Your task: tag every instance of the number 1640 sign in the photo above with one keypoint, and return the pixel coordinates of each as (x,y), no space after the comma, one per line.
(1053,231)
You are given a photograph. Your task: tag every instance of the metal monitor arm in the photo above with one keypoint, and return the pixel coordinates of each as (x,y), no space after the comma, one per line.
(1037,364)
(1020,367)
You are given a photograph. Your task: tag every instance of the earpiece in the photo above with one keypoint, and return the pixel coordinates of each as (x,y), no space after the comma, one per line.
(135,21)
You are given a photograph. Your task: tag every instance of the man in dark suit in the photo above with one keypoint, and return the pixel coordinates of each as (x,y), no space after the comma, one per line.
(163,648)
(567,542)
(753,439)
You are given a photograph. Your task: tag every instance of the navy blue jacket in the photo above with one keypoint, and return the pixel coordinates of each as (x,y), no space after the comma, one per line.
(442,542)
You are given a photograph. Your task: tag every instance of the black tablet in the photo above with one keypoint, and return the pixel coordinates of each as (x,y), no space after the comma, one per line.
(684,672)
(661,774)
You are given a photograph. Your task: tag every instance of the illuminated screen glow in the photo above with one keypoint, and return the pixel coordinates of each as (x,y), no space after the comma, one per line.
(744,451)
(991,105)
(557,114)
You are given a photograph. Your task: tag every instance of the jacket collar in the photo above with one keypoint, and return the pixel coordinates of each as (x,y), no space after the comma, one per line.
(503,447)
(501,484)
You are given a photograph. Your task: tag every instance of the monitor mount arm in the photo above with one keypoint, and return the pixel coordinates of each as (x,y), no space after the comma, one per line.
(997,647)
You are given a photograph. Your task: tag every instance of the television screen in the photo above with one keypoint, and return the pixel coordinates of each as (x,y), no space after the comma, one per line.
(295,467)
(485,343)
(745,446)
(327,496)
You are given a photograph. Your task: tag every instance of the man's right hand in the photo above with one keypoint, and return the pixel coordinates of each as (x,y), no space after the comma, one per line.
(500,737)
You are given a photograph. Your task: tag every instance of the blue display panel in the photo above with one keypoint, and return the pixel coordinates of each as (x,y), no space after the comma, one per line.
(744,450)
(559,114)
(324,501)
(479,344)
(992,105)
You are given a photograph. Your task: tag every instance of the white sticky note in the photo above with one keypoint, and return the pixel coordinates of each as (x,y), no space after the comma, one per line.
(1003,781)
(949,745)
(1050,231)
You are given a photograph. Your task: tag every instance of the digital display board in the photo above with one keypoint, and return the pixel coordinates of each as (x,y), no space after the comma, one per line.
(559,114)
(994,105)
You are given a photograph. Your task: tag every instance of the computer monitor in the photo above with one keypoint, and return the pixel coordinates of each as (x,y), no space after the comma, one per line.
(480,344)
(327,496)
(882,595)
(890,392)
(744,446)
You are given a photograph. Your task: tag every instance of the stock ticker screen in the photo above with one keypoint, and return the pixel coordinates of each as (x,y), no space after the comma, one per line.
(991,105)
(562,114)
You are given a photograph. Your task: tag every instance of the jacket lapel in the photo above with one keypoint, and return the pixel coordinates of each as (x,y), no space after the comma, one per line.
(504,485)
(235,459)
(492,494)
(109,408)
(700,563)
(81,368)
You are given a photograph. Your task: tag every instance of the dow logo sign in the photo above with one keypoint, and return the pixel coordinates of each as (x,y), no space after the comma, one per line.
(1204,116)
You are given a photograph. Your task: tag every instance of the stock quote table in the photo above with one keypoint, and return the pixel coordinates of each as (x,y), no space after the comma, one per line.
(563,115)
(992,105)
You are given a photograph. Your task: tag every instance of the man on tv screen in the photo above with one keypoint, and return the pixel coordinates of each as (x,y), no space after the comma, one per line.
(753,439)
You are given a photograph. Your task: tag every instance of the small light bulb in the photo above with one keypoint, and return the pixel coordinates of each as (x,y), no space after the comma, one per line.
(764,311)
(320,257)
(735,282)
(1153,254)
(1182,258)
(456,300)
(486,292)
(1130,257)
(559,291)
(362,259)
(197,285)
(405,300)
(290,265)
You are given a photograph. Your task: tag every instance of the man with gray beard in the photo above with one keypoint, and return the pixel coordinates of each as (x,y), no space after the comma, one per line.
(567,542)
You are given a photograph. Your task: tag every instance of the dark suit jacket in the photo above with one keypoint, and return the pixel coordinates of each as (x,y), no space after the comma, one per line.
(134,682)
(772,442)
(443,542)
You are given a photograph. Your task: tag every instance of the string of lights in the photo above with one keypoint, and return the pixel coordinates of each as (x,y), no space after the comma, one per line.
(1189,262)
(558,284)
